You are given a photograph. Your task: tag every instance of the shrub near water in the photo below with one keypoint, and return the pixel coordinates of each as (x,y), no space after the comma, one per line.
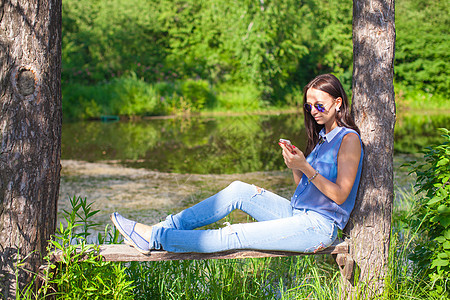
(432,216)
(81,273)
(198,94)
(131,96)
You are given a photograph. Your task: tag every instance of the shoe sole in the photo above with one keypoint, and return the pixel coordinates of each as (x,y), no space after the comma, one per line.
(127,241)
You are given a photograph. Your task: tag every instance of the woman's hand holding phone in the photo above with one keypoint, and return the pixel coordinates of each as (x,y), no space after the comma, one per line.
(287,144)
(293,157)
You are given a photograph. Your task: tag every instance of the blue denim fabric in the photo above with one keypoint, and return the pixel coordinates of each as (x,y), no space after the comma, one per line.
(279,226)
(324,159)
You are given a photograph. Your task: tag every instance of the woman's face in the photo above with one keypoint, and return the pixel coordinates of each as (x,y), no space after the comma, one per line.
(322,107)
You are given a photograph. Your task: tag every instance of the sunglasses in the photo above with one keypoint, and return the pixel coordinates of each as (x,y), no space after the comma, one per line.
(318,106)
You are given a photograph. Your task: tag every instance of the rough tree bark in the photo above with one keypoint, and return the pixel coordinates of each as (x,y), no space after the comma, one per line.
(30,133)
(374,111)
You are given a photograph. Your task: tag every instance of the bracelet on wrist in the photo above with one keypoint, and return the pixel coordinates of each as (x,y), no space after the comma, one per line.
(314,176)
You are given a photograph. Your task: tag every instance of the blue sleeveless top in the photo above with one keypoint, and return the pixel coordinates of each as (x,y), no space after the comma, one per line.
(324,159)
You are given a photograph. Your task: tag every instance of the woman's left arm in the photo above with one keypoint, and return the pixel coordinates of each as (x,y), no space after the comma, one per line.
(348,161)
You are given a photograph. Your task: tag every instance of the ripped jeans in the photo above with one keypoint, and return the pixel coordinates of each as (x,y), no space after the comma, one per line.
(279,226)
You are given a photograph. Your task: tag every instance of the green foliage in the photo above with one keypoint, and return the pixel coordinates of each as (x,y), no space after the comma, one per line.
(107,39)
(413,98)
(328,36)
(264,44)
(422,57)
(131,96)
(432,215)
(81,273)
(240,98)
(401,281)
(274,47)
(197,94)
(83,101)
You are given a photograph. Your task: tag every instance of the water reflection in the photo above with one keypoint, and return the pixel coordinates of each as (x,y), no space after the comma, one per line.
(194,145)
(215,145)
(414,132)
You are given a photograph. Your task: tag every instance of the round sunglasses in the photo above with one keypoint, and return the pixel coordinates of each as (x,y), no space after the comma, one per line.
(319,106)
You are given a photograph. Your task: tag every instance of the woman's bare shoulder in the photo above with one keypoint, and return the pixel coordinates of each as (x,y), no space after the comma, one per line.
(351,142)
(351,137)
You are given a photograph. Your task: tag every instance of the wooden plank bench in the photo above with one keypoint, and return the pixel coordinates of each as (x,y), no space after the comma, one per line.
(124,253)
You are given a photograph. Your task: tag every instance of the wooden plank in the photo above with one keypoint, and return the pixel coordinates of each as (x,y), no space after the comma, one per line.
(126,253)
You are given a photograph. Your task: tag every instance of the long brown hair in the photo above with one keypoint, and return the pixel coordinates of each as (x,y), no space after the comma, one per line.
(327,83)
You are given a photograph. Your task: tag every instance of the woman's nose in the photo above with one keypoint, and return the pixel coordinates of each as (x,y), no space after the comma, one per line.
(314,110)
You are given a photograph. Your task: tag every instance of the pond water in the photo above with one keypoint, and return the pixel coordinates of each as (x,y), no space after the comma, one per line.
(216,145)
(186,145)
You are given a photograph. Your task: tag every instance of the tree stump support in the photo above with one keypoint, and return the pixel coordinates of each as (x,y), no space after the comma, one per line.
(346,265)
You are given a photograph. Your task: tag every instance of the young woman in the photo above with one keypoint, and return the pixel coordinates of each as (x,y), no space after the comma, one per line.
(327,177)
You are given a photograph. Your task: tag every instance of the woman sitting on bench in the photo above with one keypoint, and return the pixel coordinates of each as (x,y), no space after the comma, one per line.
(327,178)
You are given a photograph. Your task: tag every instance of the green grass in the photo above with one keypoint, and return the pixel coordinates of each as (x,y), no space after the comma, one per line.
(267,278)
(306,277)
(418,100)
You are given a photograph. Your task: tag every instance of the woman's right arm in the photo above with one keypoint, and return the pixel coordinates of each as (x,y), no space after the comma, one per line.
(297,176)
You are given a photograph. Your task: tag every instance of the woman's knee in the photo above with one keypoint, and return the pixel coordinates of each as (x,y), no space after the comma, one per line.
(235,184)
(243,191)
(238,186)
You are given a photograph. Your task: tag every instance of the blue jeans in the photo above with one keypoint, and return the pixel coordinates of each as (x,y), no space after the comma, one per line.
(279,226)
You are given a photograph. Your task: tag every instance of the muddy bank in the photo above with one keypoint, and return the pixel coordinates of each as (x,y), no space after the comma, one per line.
(148,196)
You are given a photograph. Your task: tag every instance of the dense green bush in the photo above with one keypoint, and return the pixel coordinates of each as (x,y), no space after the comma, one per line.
(264,44)
(274,47)
(80,273)
(197,94)
(235,97)
(133,96)
(432,216)
(422,56)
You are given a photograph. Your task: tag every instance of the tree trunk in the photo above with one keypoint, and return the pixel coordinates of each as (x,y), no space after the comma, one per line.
(374,111)
(30,134)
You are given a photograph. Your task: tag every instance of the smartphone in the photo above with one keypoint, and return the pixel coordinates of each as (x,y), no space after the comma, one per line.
(286,142)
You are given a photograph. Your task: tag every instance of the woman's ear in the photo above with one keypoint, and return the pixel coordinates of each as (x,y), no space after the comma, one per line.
(338,103)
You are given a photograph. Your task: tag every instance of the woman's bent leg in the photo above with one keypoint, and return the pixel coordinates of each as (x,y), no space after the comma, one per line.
(303,232)
(260,204)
